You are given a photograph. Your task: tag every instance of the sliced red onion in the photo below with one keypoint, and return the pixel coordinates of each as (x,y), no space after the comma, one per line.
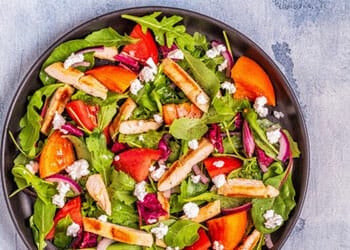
(233,210)
(227,56)
(238,121)
(62,178)
(128,61)
(81,64)
(197,171)
(263,160)
(118,147)
(163,146)
(165,50)
(284,150)
(248,140)
(104,244)
(215,138)
(268,241)
(89,49)
(73,130)
(289,169)
(45,107)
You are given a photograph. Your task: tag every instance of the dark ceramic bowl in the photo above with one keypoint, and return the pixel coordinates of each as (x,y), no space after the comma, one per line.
(20,206)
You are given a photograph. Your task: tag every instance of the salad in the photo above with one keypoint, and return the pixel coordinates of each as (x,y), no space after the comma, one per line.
(157,139)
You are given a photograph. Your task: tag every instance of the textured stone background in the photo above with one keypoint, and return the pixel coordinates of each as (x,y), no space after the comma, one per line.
(309,40)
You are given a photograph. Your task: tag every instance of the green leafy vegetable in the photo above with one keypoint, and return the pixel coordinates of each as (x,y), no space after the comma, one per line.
(149,139)
(293,145)
(188,129)
(108,109)
(205,77)
(61,239)
(31,121)
(182,233)
(41,221)
(282,204)
(80,147)
(249,170)
(101,157)
(123,246)
(225,201)
(108,37)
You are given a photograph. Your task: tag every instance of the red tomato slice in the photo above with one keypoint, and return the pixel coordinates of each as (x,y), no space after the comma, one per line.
(145,48)
(84,115)
(203,243)
(221,165)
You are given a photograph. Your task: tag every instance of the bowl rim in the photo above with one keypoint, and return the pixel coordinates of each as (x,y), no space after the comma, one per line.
(183,12)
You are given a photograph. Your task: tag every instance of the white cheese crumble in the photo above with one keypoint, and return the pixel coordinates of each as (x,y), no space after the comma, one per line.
(272,219)
(160,231)
(149,71)
(223,66)
(141,138)
(176,54)
(259,106)
(73,229)
(33,167)
(229,86)
(135,86)
(172,248)
(152,168)
(219,180)
(140,190)
(273,135)
(103,218)
(218,246)
(151,221)
(219,164)
(193,144)
(78,169)
(58,199)
(158,118)
(158,173)
(278,114)
(202,99)
(116,158)
(72,59)
(58,121)
(191,210)
(215,51)
(195,178)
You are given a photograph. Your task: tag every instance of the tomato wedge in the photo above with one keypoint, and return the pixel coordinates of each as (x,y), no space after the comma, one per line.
(83,114)
(72,208)
(203,243)
(221,165)
(57,154)
(144,48)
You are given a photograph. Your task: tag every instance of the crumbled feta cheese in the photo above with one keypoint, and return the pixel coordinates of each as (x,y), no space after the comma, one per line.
(141,138)
(103,218)
(149,71)
(140,190)
(160,231)
(63,188)
(58,121)
(135,86)
(218,246)
(223,66)
(176,54)
(151,221)
(116,158)
(78,169)
(272,219)
(152,168)
(278,114)
(172,248)
(152,65)
(72,59)
(259,106)
(58,199)
(219,164)
(202,99)
(219,180)
(73,229)
(158,118)
(273,135)
(215,51)
(230,87)
(195,178)
(193,144)
(191,210)
(158,173)
(33,167)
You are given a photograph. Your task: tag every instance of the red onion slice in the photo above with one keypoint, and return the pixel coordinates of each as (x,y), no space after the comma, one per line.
(234,210)
(62,178)
(104,244)
(90,49)
(248,140)
(227,56)
(71,129)
(197,171)
(284,150)
(81,64)
(128,61)
(268,241)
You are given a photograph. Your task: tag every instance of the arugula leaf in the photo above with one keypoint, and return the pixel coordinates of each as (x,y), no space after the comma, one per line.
(31,121)
(283,204)
(61,239)
(101,157)
(24,178)
(165,31)
(293,145)
(108,37)
(149,139)
(108,108)
(182,233)
(123,246)
(249,170)
(80,147)
(204,76)
(41,221)
(188,129)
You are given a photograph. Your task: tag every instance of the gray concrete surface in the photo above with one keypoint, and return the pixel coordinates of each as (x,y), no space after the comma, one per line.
(309,40)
